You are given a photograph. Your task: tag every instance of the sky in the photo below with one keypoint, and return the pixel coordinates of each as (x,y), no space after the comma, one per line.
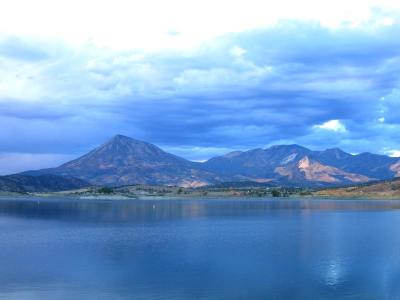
(197,78)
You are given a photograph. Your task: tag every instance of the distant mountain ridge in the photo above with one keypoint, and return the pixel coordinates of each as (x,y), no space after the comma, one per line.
(43,183)
(123,161)
(295,164)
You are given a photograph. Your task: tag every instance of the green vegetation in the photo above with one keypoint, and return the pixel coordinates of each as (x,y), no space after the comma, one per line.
(144,191)
(276,193)
(105,190)
(209,191)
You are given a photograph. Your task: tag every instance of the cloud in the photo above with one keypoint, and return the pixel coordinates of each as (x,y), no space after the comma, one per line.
(393,152)
(15,48)
(238,51)
(137,24)
(332,125)
(297,81)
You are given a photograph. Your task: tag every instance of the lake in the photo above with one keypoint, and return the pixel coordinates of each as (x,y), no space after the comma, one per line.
(199,249)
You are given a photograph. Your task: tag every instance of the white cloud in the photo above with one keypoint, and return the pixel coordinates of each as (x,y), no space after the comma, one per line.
(387,21)
(392,153)
(148,24)
(332,125)
(238,51)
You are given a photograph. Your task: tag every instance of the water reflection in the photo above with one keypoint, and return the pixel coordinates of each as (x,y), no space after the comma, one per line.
(136,210)
(191,249)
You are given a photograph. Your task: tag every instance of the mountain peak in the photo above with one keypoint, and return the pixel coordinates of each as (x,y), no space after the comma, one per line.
(123,160)
(291,146)
(126,145)
(124,148)
(335,149)
(336,152)
(123,138)
(232,154)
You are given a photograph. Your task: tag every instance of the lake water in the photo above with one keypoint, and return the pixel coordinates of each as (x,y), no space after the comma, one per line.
(199,249)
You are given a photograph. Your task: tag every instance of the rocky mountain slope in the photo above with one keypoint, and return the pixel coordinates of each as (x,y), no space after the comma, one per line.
(296,165)
(123,160)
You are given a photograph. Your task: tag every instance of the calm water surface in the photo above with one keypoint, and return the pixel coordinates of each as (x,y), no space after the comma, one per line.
(199,249)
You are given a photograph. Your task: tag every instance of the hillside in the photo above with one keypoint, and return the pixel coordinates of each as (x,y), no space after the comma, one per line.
(123,160)
(297,165)
(42,183)
(384,189)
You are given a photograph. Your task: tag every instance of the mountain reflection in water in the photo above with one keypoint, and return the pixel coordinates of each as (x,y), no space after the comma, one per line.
(199,249)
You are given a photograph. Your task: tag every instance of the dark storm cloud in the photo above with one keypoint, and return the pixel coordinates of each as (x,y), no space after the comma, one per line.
(239,91)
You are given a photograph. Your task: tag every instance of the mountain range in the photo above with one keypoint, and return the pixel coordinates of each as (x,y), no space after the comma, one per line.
(124,161)
(42,183)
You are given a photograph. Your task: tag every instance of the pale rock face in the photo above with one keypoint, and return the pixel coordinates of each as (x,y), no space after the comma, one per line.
(288,159)
(304,163)
(192,184)
(284,172)
(315,171)
(396,168)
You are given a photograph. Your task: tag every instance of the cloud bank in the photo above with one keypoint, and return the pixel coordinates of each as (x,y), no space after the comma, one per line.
(294,82)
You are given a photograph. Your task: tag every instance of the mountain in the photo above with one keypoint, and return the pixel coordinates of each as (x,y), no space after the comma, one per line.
(314,171)
(42,183)
(124,161)
(368,164)
(297,165)
(257,163)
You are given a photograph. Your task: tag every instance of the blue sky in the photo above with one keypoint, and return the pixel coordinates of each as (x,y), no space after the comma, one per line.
(195,77)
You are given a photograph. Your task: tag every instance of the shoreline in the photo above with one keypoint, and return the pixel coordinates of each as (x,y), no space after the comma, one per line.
(122,197)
